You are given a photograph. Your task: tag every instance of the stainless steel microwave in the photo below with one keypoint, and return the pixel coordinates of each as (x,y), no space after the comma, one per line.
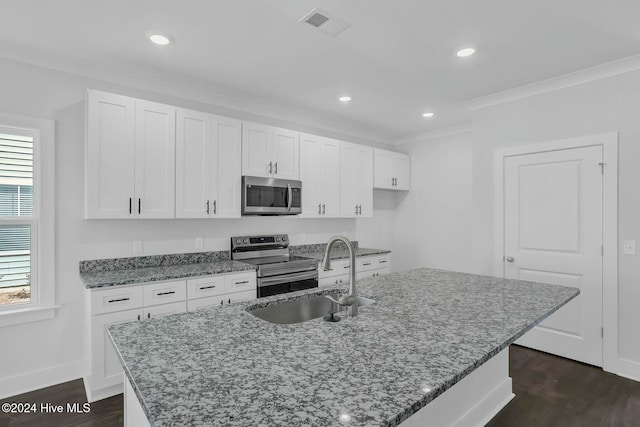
(271,196)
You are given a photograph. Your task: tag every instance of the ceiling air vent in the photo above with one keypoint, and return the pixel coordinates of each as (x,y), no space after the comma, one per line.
(324,22)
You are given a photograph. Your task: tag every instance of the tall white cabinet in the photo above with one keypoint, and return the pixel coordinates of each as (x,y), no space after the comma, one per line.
(208,162)
(130,158)
(320,176)
(392,171)
(356,180)
(270,152)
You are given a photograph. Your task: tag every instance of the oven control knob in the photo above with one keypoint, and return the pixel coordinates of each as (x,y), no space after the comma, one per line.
(277,238)
(245,241)
(284,238)
(238,241)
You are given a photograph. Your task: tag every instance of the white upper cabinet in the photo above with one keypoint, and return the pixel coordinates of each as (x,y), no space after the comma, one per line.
(109,155)
(269,152)
(392,171)
(320,176)
(207,166)
(130,158)
(356,180)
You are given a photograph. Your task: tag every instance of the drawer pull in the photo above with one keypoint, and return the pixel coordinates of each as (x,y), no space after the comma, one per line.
(366,263)
(244,282)
(166,293)
(207,287)
(229,301)
(138,317)
(347,266)
(118,300)
(382,261)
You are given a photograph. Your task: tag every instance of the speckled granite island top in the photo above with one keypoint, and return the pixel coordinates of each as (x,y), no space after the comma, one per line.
(429,328)
(344,253)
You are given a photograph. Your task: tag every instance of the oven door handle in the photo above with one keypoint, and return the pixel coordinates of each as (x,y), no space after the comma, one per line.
(289,197)
(277,280)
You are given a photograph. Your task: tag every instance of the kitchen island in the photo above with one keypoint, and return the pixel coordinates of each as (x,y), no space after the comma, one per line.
(428,330)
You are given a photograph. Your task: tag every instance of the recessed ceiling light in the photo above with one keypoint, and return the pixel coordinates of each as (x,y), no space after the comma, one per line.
(161,39)
(427,115)
(467,51)
(344,98)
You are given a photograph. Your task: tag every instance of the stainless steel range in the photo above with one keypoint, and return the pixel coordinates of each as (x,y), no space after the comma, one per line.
(278,272)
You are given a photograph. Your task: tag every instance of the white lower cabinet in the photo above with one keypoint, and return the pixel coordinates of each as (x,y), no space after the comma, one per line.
(119,304)
(366,266)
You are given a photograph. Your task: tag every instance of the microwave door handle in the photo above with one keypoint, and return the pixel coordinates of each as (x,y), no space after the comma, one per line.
(289,197)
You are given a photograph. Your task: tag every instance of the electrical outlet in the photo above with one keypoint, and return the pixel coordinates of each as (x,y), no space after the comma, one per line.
(199,242)
(137,246)
(629,247)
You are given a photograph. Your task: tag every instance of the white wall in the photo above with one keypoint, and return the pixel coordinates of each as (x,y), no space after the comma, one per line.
(433,221)
(611,104)
(55,347)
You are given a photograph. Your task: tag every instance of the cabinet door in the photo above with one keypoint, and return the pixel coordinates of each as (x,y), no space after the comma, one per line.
(330,178)
(349,162)
(155,146)
(194,154)
(402,171)
(364,179)
(383,163)
(311,171)
(165,309)
(241,282)
(285,155)
(105,366)
(256,150)
(226,200)
(109,184)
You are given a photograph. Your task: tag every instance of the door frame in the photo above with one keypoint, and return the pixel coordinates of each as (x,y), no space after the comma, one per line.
(609,143)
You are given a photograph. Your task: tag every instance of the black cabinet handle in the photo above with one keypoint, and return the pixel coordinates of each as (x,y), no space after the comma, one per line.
(276,165)
(207,287)
(207,207)
(242,283)
(215,209)
(118,300)
(221,302)
(356,209)
(130,205)
(347,266)
(319,209)
(148,315)
(270,167)
(323,210)
(138,317)
(139,205)
(366,263)
(382,261)
(166,293)
(229,302)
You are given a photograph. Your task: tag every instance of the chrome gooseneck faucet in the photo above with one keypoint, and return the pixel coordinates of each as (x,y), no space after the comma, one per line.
(351,299)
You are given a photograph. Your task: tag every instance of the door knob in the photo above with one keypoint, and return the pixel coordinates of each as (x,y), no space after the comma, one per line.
(510,259)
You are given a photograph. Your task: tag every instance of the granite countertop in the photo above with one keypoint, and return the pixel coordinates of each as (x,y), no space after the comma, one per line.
(340,253)
(429,328)
(127,276)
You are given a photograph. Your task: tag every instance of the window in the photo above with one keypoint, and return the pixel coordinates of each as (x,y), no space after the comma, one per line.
(26,220)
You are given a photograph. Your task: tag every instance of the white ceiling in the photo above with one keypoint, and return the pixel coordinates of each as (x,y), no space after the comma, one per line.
(396,60)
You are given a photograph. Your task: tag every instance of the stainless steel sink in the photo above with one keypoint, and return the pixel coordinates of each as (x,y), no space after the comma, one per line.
(302,310)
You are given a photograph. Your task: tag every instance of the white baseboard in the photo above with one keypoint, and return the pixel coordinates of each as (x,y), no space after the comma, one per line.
(30,381)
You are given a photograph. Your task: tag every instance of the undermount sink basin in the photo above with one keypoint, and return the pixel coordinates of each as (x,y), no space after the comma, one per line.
(302,310)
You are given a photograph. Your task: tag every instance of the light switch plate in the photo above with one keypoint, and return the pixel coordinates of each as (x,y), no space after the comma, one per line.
(137,246)
(629,247)
(199,242)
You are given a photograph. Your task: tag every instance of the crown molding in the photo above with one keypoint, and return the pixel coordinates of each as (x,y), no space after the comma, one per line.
(434,134)
(576,78)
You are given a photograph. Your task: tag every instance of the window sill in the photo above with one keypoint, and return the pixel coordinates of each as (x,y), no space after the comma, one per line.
(26,315)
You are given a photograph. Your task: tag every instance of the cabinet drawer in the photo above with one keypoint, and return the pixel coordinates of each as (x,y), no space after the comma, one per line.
(240,282)
(205,287)
(165,309)
(338,267)
(116,299)
(165,292)
(372,262)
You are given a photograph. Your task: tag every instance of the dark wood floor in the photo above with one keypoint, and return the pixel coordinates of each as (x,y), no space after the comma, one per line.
(550,392)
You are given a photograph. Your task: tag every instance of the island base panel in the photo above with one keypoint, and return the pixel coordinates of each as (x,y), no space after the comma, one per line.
(478,397)
(134,415)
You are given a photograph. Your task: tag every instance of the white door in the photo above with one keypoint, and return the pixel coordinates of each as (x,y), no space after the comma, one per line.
(193,166)
(330,178)
(256,150)
(311,174)
(226,200)
(110,154)
(553,234)
(155,160)
(285,151)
